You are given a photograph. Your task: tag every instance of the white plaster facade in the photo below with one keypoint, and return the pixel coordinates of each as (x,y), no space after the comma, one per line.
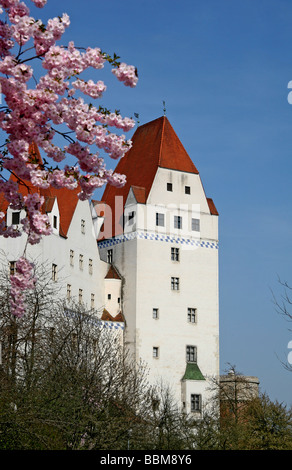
(162,293)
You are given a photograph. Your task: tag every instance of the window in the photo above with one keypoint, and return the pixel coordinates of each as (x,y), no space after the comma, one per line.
(109,296)
(54,272)
(110,256)
(119,300)
(196,225)
(159,219)
(174,254)
(169,186)
(71,258)
(155,313)
(15,218)
(156,352)
(82,226)
(92,301)
(80,297)
(131,218)
(191,354)
(177,221)
(196,402)
(187,190)
(81,262)
(90,267)
(68,291)
(12,267)
(174,283)
(55,221)
(192,315)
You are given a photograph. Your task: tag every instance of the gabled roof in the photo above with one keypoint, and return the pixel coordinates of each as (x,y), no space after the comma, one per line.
(67,198)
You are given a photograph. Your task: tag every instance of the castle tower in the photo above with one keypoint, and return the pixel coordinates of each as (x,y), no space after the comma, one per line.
(161,233)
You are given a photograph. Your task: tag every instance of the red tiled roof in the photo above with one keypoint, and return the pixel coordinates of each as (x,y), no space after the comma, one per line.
(155,145)
(112,273)
(212,207)
(106,316)
(67,198)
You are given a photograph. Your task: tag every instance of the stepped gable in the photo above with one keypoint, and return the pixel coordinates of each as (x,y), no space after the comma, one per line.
(67,198)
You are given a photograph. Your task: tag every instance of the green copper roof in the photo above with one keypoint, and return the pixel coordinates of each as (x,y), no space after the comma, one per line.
(193,372)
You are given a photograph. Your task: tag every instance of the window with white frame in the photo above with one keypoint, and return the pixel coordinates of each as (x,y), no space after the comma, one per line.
(80,295)
(187,190)
(68,291)
(131,217)
(174,254)
(15,218)
(82,226)
(12,267)
(196,225)
(191,354)
(175,283)
(92,301)
(155,313)
(155,352)
(169,186)
(178,221)
(159,219)
(196,402)
(81,262)
(90,266)
(110,256)
(192,315)
(54,272)
(71,257)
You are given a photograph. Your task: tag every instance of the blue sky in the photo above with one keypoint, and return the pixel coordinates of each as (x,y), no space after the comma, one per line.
(222,68)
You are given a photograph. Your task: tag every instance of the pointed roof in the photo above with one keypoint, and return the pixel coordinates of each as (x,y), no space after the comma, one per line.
(112,273)
(155,145)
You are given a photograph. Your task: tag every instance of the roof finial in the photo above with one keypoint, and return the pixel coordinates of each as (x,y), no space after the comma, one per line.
(164,108)
(137,117)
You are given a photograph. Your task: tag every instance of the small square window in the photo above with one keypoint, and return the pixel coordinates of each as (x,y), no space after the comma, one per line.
(82,226)
(155,313)
(15,218)
(12,265)
(169,186)
(174,254)
(109,296)
(196,225)
(92,301)
(192,315)
(80,295)
(187,190)
(177,221)
(156,352)
(196,402)
(174,283)
(159,219)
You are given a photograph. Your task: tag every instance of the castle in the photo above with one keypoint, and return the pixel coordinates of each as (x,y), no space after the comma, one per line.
(145,257)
